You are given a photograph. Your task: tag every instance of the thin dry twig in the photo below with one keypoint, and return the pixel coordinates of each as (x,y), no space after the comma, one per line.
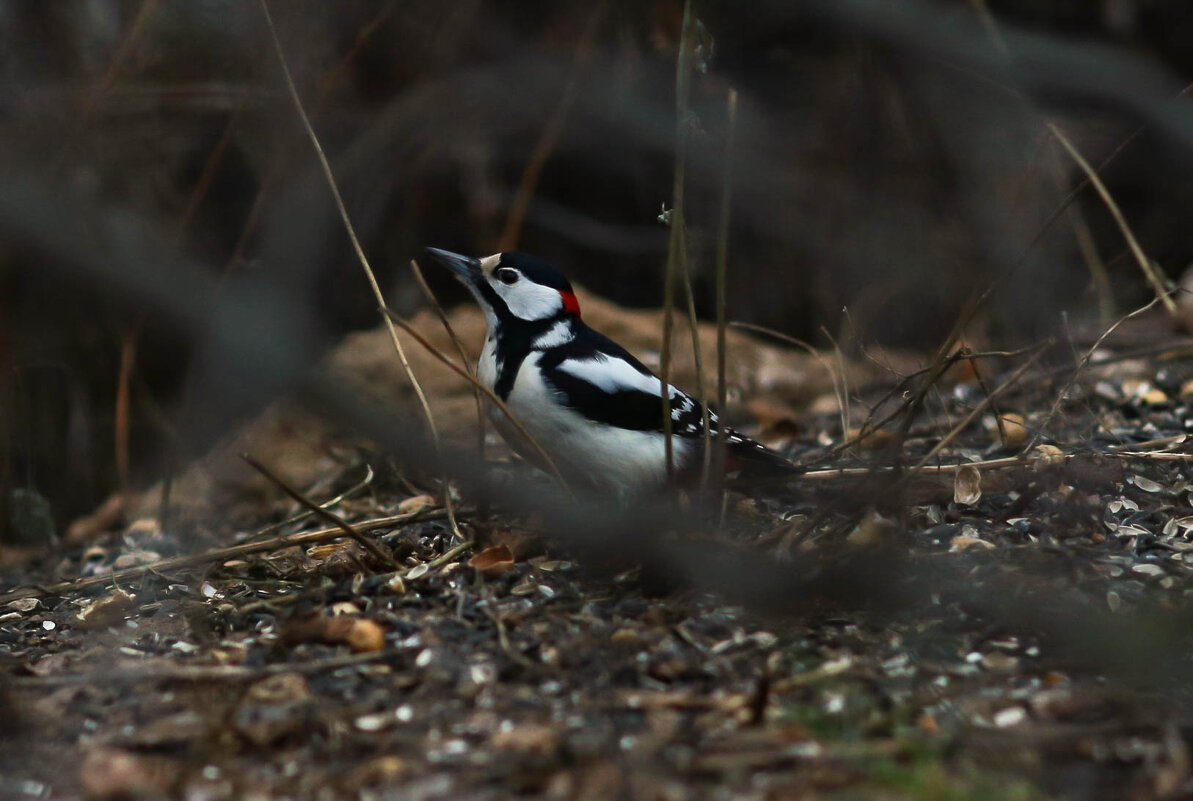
(1081,365)
(1076,191)
(503,637)
(723,277)
(843,398)
(162,669)
(698,359)
(378,295)
(981,379)
(813,352)
(953,433)
(326,514)
(459,345)
(220,555)
(275,171)
(328,504)
(467,376)
(683,74)
(295,597)
(1021,460)
(1149,270)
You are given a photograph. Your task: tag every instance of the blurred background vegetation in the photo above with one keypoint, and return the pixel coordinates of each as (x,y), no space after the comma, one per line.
(870,173)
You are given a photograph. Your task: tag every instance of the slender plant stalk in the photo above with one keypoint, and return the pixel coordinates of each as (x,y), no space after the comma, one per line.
(328,515)
(492,396)
(1149,271)
(843,398)
(683,82)
(378,295)
(718,468)
(698,359)
(218,555)
(451,332)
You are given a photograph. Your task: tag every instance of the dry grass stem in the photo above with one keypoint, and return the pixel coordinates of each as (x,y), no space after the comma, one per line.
(1076,191)
(838,392)
(122,411)
(459,346)
(329,516)
(469,377)
(722,267)
(330,503)
(220,555)
(1084,362)
(675,248)
(1149,270)
(1021,460)
(698,359)
(378,295)
(843,398)
(977,410)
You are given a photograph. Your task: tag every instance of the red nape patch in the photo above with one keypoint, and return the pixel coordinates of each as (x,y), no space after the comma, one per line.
(570,304)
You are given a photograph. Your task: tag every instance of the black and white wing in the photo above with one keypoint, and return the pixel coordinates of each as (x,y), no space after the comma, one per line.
(608,385)
(603,382)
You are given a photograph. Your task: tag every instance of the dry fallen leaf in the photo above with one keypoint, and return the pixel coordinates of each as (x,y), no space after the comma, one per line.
(107,611)
(873,530)
(493,561)
(874,440)
(415,504)
(963,542)
(326,549)
(967,486)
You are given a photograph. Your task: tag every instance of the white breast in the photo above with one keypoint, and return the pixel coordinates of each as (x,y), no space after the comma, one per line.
(629,462)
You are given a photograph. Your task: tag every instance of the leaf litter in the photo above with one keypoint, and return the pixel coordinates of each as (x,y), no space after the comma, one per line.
(502,668)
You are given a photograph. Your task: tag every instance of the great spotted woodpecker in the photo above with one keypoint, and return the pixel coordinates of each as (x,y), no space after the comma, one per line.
(593,407)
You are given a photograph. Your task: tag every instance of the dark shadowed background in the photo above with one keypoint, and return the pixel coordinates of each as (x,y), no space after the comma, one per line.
(893,165)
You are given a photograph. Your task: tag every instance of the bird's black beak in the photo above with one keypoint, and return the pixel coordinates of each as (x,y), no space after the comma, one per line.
(466,268)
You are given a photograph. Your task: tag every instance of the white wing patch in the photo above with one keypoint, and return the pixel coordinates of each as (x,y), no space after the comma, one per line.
(612,375)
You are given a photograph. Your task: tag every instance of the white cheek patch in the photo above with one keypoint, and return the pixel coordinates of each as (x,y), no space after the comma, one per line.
(528,300)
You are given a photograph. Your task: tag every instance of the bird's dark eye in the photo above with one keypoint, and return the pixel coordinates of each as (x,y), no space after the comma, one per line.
(507,276)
